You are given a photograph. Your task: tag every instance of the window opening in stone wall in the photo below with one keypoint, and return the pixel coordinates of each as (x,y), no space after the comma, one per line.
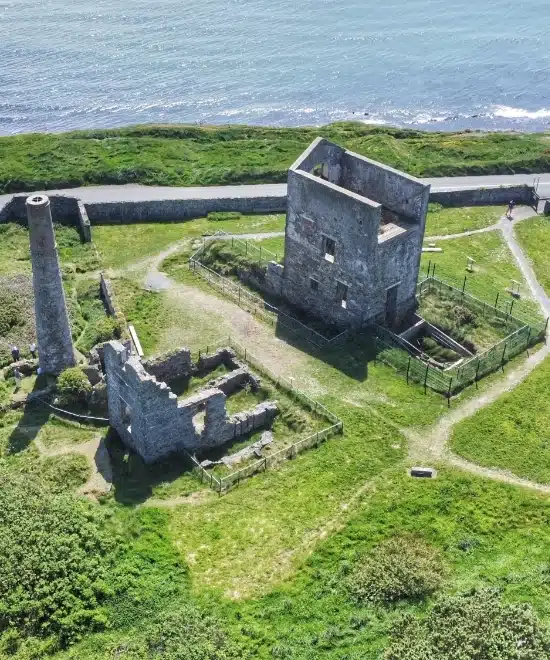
(313,284)
(342,294)
(329,248)
(321,170)
(127,416)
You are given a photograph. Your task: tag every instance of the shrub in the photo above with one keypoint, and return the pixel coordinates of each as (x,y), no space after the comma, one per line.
(180,635)
(474,626)
(55,558)
(11,314)
(400,568)
(73,384)
(218,216)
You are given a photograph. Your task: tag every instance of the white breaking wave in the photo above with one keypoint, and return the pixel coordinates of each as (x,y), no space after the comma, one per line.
(519,113)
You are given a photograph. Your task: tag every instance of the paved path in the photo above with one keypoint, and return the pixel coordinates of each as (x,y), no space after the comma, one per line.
(138,192)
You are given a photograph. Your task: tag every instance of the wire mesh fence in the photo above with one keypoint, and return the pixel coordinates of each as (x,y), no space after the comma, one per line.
(505,301)
(223,484)
(261,308)
(524,332)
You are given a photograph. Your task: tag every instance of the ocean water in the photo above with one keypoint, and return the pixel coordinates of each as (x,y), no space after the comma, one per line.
(433,64)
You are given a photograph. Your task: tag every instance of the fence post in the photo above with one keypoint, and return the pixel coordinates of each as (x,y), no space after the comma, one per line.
(496,300)
(429,266)
(477,370)
(502,358)
(433,270)
(408,368)
(449,392)
(464,285)
(426,376)
(246,246)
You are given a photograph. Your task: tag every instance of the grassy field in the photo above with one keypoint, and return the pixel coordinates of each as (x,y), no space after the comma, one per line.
(272,559)
(512,434)
(144,240)
(192,155)
(534,237)
(494,268)
(443,221)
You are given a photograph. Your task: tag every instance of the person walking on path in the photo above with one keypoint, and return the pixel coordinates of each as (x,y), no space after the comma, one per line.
(511,207)
(17,376)
(15,353)
(32,349)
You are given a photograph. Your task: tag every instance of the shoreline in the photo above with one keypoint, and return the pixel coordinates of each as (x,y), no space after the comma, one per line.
(453,124)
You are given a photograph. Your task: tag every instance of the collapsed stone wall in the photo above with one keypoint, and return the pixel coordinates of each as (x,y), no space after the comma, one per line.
(149,418)
(170,366)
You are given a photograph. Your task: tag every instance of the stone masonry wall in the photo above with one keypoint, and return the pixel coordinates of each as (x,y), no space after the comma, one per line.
(483,196)
(65,209)
(340,198)
(175,364)
(149,418)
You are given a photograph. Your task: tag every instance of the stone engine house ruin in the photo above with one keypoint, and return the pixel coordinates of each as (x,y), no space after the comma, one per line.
(150,419)
(353,239)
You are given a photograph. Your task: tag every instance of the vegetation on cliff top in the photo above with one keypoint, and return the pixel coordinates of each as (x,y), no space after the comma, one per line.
(189,155)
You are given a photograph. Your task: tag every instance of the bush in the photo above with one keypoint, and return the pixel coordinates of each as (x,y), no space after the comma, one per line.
(218,216)
(474,626)
(184,634)
(73,384)
(400,568)
(11,314)
(55,558)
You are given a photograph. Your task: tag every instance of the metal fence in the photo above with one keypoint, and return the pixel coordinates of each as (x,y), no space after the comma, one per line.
(524,332)
(259,307)
(483,291)
(223,484)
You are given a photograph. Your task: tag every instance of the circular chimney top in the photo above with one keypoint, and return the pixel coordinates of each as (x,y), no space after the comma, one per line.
(38,200)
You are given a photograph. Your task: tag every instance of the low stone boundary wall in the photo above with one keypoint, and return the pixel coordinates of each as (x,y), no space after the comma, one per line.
(170,210)
(483,196)
(70,210)
(64,209)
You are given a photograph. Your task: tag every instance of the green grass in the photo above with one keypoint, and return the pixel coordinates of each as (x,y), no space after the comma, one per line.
(534,237)
(512,434)
(488,534)
(119,245)
(442,221)
(146,310)
(494,269)
(275,245)
(464,324)
(191,155)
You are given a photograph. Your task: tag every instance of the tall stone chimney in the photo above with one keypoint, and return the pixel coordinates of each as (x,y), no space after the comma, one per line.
(53,332)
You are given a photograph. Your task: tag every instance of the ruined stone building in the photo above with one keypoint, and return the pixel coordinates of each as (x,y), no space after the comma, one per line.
(150,419)
(353,238)
(53,331)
